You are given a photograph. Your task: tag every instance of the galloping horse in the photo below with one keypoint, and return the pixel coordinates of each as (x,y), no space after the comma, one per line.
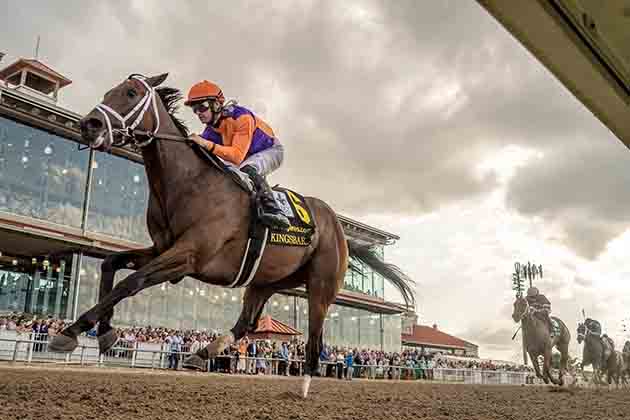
(603,359)
(538,340)
(592,352)
(626,361)
(198,220)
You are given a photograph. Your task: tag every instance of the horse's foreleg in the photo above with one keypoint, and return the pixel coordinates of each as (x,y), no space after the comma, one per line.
(534,358)
(133,260)
(171,265)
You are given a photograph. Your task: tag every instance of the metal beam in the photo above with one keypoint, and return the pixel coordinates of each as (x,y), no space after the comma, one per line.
(548,33)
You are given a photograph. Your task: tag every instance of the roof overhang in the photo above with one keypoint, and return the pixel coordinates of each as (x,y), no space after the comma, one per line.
(417,343)
(584,44)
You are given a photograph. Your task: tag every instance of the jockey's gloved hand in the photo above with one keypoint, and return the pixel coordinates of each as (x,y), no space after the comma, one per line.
(207,145)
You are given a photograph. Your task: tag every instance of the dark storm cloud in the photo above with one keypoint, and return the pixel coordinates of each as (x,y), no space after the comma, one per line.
(582,186)
(397,100)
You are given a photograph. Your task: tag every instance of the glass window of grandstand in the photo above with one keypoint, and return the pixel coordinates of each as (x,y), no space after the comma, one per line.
(119,198)
(38,286)
(281,308)
(362,279)
(41,175)
(189,304)
(353,328)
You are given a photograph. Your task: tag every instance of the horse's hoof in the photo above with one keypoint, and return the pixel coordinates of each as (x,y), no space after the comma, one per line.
(194,362)
(306,384)
(107,341)
(63,344)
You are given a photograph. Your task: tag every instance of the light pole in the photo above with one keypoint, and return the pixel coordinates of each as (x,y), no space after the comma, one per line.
(521,273)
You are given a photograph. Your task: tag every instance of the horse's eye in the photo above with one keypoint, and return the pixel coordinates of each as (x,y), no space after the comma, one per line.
(132,93)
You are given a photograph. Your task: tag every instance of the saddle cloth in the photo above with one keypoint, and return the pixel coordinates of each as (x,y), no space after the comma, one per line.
(556,330)
(300,217)
(292,204)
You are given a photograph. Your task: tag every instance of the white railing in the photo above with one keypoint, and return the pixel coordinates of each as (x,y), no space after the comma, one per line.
(33,348)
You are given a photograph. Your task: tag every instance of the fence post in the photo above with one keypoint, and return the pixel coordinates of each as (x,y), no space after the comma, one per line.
(15,350)
(82,354)
(30,351)
(133,354)
(101,359)
(152,359)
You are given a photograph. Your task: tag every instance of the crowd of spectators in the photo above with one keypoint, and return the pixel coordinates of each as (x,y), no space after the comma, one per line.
(255,356)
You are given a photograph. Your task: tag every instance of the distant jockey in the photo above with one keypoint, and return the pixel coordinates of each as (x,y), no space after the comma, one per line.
(541,306)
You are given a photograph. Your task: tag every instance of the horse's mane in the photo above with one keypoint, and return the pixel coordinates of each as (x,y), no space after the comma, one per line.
(170,98)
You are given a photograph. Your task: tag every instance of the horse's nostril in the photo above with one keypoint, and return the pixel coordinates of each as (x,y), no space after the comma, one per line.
(91,124)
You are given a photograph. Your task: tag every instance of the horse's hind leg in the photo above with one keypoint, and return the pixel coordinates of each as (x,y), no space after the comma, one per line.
(253,303)
(134,260)
(324,280)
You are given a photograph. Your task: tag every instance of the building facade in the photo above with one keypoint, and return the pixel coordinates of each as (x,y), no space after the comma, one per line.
(63,208)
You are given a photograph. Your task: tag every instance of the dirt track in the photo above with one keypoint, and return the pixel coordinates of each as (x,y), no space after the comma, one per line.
(62,393)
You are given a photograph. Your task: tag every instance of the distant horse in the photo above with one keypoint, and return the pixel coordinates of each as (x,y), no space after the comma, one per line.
(625,371)
(538,340)
(592,352)
(199,220)
(615,369)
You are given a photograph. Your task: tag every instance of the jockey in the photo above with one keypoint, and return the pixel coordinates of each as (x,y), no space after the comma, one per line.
(240,138)
(541,305)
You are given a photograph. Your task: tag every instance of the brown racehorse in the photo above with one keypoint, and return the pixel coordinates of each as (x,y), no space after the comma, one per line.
(198,220)
(538,340)
(626,362)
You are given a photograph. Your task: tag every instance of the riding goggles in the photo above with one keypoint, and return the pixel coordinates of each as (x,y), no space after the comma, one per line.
(201,107)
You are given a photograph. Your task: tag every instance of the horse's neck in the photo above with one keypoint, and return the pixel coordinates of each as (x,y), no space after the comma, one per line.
(171,161)
(594,343)
(173,168)
(530,325)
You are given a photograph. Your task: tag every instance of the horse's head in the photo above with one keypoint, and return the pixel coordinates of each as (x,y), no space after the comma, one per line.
(581,332)
(123,110)
(626,347)
(520,309)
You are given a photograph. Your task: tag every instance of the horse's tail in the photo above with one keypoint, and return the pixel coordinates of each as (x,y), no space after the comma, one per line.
(403,283)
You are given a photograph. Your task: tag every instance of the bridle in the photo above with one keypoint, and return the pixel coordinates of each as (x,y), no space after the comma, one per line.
(526,311)
(129,132)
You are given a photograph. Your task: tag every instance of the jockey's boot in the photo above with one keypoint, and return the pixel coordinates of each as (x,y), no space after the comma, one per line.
(272,216)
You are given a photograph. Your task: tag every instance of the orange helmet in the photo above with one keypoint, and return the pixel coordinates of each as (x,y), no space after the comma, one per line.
(204,90)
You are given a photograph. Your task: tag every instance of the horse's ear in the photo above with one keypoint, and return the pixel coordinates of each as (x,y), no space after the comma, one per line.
(157,80)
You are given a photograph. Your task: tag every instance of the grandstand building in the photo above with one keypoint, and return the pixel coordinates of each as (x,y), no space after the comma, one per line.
(63,209)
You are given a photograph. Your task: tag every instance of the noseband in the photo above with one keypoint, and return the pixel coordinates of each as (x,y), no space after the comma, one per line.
(128,132)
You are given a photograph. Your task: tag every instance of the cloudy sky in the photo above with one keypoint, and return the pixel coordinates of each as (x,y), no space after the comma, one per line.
(443,128)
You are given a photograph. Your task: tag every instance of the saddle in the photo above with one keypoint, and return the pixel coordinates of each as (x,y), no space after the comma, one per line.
(292,204)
